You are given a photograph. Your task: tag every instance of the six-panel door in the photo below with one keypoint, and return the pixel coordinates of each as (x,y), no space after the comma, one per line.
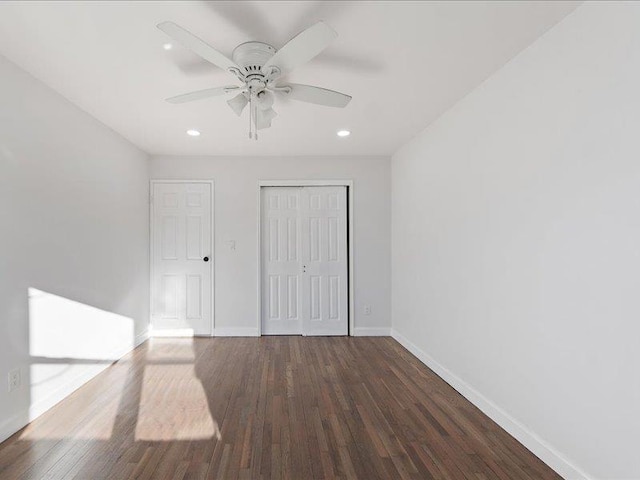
(323,213)
(281,280)
(181,263)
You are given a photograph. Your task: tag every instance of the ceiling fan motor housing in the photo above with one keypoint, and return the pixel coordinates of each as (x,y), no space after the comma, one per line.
(251,56)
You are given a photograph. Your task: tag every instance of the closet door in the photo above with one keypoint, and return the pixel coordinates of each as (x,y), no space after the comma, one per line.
(281,267)
(304,261)
(324,293)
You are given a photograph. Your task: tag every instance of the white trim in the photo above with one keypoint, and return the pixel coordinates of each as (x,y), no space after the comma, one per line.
(28,415)
(372,332)
(526,437)
(170,332)
(305,183)
(218,332)
(310,183)
(281,330)
(13,424)
(152,182)
(237,332)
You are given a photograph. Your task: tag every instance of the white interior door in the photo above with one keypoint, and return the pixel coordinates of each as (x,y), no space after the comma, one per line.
(281,273)
(323,211)
(304,261)
(181,289)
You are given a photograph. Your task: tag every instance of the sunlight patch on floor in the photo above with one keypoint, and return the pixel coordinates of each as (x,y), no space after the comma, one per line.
(173,403)
(167,349)
(102,415)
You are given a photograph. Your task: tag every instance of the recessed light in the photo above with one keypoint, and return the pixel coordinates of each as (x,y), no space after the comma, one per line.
(343,133)
(193,133)
(167,46)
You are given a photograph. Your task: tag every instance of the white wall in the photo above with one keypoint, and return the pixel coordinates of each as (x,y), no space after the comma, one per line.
(236,217)
(516,244)
(73,246)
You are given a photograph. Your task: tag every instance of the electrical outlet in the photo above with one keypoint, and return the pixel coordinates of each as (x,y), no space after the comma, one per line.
(367,309)
(15,380)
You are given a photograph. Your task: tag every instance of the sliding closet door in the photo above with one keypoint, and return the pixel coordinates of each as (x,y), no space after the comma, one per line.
(304,254)
(281,266)
(323,211)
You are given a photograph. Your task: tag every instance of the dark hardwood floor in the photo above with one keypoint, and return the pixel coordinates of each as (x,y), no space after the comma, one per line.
(271,407)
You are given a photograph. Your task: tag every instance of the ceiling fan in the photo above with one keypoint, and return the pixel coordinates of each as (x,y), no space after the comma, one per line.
(259,67)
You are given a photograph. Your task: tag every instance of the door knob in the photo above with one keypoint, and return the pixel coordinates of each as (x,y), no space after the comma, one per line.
(206,259)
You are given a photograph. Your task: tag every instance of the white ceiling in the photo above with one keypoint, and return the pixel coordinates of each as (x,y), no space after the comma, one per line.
(404,63)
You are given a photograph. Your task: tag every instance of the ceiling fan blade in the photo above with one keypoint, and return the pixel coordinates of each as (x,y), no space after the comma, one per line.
(317,95)
(208,92)
(196,45)
(238,103)
(302,48)
(264,117)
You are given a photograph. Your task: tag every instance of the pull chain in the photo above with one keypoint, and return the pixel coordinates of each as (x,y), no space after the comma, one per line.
(255,119)
(250,112)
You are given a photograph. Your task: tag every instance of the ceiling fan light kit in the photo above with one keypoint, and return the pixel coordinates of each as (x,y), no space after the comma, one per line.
(259,66)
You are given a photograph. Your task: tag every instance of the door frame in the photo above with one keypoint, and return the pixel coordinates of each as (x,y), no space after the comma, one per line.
(350,242)
(180,332)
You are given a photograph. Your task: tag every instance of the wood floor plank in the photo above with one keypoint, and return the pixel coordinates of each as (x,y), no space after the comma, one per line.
(267,408)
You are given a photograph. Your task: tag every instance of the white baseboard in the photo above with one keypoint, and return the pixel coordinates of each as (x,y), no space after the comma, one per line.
(529,439)
(171,332)
(217,332)
(236,332)
(28,415)
(280,330)
(371,332)
(13,424)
